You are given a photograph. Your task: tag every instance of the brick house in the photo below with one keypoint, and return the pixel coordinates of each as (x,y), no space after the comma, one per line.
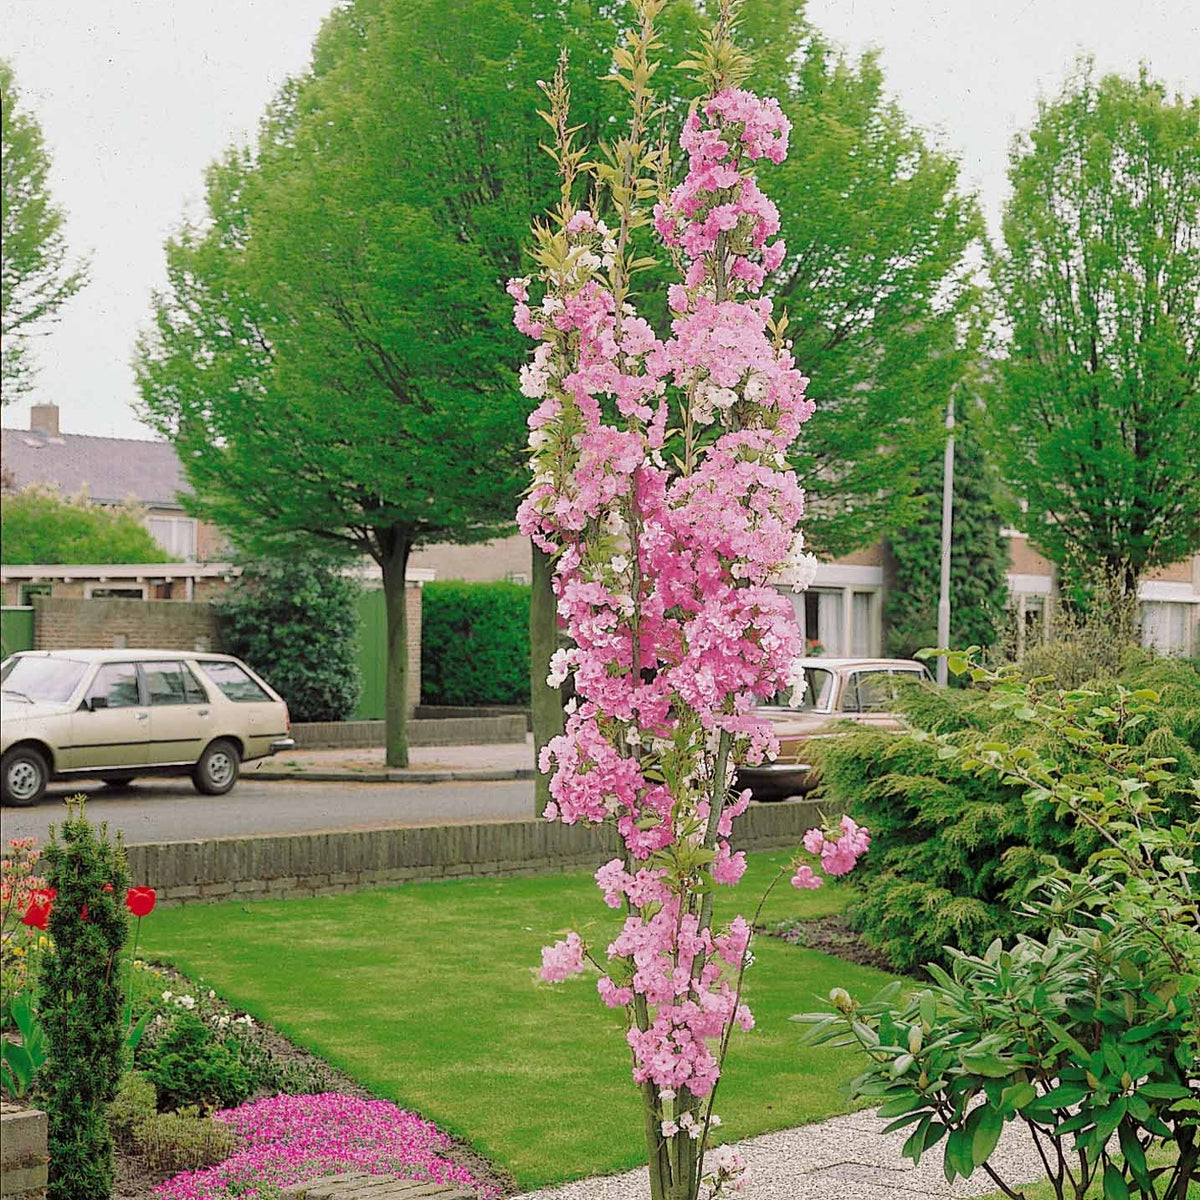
(110,471)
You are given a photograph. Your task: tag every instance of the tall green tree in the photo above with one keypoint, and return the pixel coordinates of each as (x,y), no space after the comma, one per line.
(978,552)
(1096,420)
(877,283)
(334,354)
(36,277)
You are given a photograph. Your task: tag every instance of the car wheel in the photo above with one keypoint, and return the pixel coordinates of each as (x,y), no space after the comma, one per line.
(23,776)
(217,769)
(118,781)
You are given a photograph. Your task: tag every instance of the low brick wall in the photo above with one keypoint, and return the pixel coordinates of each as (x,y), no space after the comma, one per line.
(450,731)
(319,864)
(23,1158)
(65,623)
(439,711)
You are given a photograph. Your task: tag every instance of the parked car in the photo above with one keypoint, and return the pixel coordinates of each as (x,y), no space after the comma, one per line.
(840,694)
(116,714)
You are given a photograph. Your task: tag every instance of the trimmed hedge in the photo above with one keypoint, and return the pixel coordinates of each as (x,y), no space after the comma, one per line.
(475,643)
(953,854)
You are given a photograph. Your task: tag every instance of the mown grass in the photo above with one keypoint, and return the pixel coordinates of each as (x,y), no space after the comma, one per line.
(428,995)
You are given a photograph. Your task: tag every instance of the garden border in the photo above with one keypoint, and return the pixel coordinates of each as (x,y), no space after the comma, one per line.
(333,861)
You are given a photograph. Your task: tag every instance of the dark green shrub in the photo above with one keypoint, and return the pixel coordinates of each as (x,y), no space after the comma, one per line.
(295,621)
(190,1063)
(183,1140)
(80,1002)
(953,855)
(475,643)
(136,1101)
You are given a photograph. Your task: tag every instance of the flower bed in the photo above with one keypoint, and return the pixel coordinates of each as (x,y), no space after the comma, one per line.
(288,1139)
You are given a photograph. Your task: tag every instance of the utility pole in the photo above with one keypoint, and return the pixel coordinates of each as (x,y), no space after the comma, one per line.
(943,623)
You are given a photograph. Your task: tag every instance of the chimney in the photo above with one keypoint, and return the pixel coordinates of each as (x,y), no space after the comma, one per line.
(43,419)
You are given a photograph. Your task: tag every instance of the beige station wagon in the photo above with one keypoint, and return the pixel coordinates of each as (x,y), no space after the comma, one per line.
(116,714)
(840,694)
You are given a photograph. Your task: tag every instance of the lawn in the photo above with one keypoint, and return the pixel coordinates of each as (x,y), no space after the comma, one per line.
(428,994)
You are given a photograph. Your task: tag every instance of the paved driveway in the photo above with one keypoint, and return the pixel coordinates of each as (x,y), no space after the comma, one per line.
(168,810)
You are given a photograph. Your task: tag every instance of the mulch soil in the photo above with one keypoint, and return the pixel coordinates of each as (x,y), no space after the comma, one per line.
(833,935)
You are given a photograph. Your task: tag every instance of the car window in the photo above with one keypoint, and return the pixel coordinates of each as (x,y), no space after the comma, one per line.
(234,683)
(818,692)
(116,686)
(875,691)
(172,683)
(52,679)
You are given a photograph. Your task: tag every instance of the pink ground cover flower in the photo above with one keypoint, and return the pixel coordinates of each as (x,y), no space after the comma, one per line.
(289,1139)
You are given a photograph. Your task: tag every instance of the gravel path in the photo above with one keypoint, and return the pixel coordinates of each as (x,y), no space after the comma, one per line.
(846,1158)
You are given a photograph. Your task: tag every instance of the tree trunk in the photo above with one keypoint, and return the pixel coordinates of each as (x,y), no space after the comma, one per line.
(545,701)
(395,546)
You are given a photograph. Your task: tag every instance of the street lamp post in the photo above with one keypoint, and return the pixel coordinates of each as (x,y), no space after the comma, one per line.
(943,623)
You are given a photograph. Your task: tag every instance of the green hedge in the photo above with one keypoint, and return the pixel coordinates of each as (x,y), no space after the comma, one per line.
(952,854)
(475,643)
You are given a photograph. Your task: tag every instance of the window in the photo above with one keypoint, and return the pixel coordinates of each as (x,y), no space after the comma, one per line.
(29,590)
(1169,627)
(862,636)
(176,535)
(823,622)
(125,591)
(41,678)
(869,691)
(234,683)
(115,686)
(172,683)
(818,692)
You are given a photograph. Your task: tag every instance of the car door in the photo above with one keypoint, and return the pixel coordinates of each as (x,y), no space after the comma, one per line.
(111,728)
(251,714)
(180,712)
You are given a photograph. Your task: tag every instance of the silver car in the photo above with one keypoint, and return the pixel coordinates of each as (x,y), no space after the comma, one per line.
(116,714)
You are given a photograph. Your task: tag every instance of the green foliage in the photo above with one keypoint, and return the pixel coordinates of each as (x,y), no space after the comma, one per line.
(39,526)
(952,854)
(978,554)
(191,1064)
(24,1059)
(136,1102)
(876,282)
(35,277)
(80,1002)
(475,643)
(1096,416)
(1090,1031)
(183,1140)
(295,621)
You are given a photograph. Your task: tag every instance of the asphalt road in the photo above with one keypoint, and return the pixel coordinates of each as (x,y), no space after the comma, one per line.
(171,810)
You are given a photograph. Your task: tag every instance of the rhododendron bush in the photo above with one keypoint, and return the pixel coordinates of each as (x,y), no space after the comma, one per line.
(662,492)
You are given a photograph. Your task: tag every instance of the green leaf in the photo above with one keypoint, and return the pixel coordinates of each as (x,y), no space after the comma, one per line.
(1115,1187)
(1017,1096)
(986,1124)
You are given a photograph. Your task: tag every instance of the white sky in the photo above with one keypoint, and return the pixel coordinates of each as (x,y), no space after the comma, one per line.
(136,97)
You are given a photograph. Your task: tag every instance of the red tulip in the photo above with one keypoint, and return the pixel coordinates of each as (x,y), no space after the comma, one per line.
(140,901)
(37,915)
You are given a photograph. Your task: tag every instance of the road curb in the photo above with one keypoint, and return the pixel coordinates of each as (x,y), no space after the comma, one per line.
(399,776)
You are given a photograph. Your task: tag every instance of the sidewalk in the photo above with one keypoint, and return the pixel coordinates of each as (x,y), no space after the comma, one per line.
(426,764)
(846,1158)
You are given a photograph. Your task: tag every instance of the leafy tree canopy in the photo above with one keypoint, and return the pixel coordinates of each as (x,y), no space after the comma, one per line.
(35,277)
(43,527)
(1096,419)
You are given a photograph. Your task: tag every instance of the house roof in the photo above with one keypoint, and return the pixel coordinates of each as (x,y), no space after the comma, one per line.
(110,470)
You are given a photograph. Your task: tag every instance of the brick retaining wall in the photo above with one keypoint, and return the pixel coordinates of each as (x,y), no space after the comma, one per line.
(451,731)
(67,623)
(319,864)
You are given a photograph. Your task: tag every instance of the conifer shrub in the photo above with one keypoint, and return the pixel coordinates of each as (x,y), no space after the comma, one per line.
(81,996)
(953,855)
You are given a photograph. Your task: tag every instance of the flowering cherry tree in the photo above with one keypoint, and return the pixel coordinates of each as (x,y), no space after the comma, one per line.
(661,490)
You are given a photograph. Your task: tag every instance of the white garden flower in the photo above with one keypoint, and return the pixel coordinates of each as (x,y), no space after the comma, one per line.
(669,1129)
(560,667)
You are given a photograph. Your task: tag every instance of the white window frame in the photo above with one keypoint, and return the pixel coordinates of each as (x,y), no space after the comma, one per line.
(189,524)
